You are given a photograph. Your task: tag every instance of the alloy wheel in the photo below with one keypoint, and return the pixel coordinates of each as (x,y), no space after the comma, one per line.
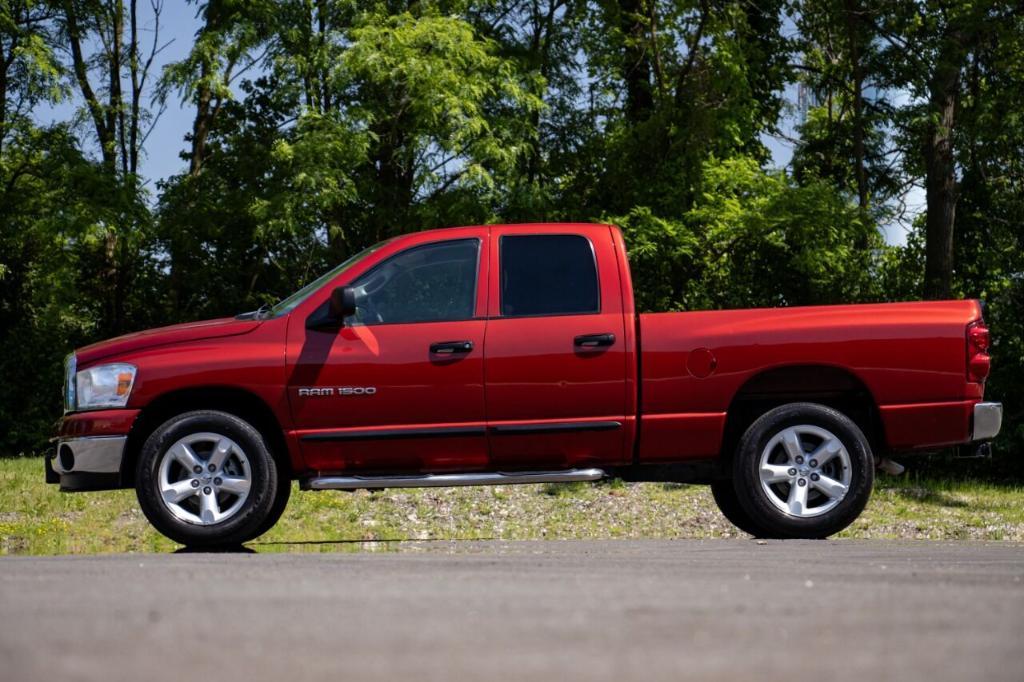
(204,478)
(805,470)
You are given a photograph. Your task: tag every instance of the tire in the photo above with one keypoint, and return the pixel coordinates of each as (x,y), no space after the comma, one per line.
(281,497)
(795,494)
(222,503)
(728,503)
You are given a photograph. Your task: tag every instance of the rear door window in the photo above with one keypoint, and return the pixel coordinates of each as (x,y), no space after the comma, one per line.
(548,274)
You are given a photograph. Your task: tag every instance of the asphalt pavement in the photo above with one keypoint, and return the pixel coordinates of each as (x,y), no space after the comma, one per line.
(572,610)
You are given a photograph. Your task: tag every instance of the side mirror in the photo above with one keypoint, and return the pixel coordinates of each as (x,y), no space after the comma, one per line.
(343,303)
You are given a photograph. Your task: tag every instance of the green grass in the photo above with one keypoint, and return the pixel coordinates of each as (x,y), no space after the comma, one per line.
(37,519)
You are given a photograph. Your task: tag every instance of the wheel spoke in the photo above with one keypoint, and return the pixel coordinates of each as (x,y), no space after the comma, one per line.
(220,453)
(235,485)
(827,451)
(183,453)
(774,473)
(797,501)
(173,493)
(791,442)
(209,508)
(830,486)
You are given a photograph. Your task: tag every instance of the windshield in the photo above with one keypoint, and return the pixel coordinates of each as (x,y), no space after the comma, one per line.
(286,305)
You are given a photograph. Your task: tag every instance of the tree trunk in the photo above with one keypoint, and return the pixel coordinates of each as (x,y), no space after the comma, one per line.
(115,107)
(940,170)
(3,97)
(201,123)
(134,119)
(853,31)
(636,64)
(101,119)
(540,60)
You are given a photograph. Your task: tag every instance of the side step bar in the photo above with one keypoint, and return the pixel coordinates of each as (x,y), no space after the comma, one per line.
(444,480)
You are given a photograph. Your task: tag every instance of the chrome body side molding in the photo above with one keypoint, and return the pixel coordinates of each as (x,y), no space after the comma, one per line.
(445,480)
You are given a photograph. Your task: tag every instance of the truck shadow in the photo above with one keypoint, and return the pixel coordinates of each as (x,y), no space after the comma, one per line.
(279,546)
(381,541)
(227,549)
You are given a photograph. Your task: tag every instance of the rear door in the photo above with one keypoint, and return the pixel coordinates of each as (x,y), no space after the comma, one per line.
(556,361)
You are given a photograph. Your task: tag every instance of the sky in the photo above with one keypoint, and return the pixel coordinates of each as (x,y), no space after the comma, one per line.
(162,152)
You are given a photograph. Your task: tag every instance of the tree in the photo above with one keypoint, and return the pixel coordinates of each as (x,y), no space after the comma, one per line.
(320,126)
(50,207)
(844,135)
(928,47)
(680,82)
(753,238)
(111,69)
(365,126)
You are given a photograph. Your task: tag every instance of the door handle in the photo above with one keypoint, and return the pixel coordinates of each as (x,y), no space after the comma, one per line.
(451,347)
(594,340)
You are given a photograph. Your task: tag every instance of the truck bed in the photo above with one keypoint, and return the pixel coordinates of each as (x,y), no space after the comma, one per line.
(907,358)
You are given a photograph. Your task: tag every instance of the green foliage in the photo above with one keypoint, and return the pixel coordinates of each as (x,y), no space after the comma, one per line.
(417,123)
(752,238)
(320,127)
(52,236)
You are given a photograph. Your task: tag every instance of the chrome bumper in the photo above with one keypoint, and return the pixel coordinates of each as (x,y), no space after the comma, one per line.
(988,418)
(91,455)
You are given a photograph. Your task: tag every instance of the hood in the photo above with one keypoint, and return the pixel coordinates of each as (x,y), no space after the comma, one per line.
(162,336)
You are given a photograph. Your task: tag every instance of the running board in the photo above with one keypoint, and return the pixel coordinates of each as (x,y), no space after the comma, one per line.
(445,480)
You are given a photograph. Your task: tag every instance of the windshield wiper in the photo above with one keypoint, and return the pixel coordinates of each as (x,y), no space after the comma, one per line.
(257,314)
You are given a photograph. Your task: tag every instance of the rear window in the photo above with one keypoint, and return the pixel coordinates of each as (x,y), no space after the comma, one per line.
(548,274)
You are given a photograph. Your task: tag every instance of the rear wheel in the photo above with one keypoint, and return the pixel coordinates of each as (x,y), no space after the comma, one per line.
(803,470)
(206,478)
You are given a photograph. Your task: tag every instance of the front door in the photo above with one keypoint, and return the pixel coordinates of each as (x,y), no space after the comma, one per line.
(399,388)
(556,359)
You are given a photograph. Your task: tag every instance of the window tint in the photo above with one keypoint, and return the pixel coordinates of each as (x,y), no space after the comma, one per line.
(548,275)
(430,283)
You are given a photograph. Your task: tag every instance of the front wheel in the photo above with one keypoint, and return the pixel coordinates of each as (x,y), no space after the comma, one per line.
(803,470)
(206,479)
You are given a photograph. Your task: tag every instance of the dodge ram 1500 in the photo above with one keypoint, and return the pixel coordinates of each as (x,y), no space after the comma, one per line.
(514,354)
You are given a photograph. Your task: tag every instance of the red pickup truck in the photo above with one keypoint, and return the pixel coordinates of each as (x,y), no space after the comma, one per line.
(514,354)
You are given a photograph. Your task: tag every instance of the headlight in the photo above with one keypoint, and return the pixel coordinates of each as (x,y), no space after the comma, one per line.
(104,386)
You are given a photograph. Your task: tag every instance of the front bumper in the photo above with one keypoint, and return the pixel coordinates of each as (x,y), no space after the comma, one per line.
(988,419)
(88,463)
(90,449)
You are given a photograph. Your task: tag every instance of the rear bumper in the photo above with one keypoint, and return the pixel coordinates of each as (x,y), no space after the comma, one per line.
(988,419)
(932,426)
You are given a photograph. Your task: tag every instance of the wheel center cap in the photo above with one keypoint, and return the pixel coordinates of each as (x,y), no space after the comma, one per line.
(804,471)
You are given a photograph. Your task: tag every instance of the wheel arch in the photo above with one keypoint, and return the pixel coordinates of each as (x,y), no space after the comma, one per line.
(835,387)
(236,401)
